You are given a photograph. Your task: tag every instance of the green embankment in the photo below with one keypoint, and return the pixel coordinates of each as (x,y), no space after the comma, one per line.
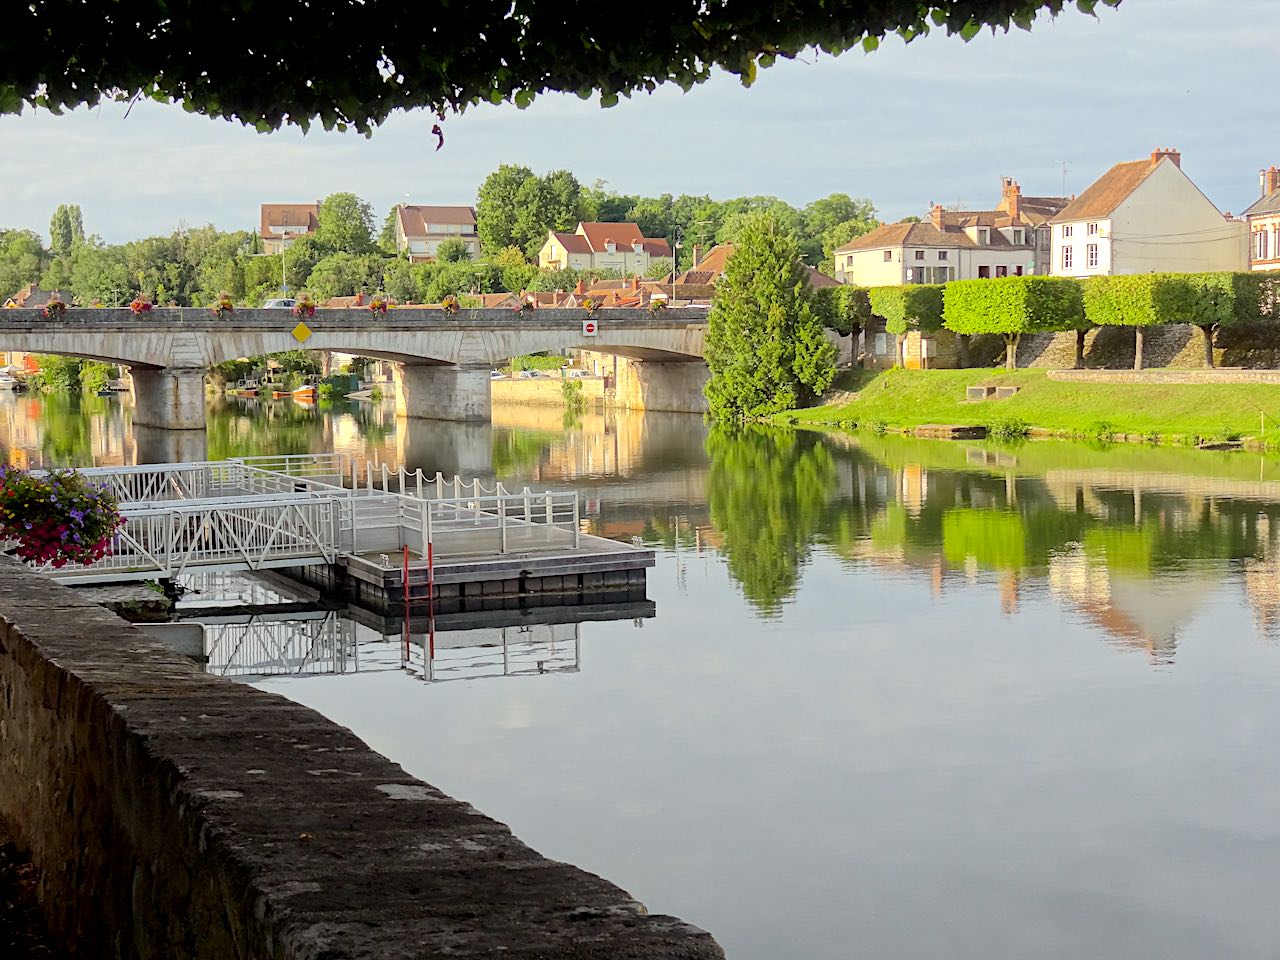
(900,399)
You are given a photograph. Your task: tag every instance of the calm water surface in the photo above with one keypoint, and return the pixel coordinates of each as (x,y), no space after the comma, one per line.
(892,698)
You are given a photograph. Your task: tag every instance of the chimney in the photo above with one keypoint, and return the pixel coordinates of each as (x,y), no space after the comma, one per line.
(1010,197)
(581,288)
(935,214)
(1270,181)
(635,283)
(697,255)
(1159,153)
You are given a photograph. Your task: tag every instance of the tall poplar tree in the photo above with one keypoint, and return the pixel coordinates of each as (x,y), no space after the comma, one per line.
(765,341)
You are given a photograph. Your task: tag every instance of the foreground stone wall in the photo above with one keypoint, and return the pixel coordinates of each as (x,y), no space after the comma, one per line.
(174,815)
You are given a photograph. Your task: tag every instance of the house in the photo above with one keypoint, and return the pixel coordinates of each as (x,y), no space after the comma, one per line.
(1146,216)
(32,296)
(710,268)
(1010,240)
(1263,219)
(282,223)
(603,246)
(420,230)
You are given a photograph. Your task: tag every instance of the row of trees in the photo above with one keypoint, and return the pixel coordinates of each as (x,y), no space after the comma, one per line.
(1012,306)
(516,207)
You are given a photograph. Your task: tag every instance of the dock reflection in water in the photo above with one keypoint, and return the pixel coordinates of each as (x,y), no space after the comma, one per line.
(273,638)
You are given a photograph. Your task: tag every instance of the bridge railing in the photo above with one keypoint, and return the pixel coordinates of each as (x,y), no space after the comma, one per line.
(237,533)
(152,483)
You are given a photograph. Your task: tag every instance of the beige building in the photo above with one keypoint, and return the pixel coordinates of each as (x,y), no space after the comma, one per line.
(282,223)
(1146,216)
(1263,219)
(420,230)
(1010,240)
(603,246)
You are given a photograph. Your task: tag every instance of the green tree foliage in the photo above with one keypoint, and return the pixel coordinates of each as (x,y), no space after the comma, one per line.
(435,281)
(59,374)
(845,309)
(660,268)
(399,282)
(490,56)
(387,236)
(768,492)
(916,306)
(22,260)
(765,342)
(345,224)
(300,258)
(497,209)
(345,275)
(1012,306)
(453,250)
(60,236)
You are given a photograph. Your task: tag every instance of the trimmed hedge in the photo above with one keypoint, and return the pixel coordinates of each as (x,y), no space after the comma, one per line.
(1012,306)
(915,306)
(844,309)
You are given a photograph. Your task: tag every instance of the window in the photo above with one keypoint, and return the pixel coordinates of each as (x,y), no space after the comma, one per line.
(1017,236)
(1066,258)
(1066,230)
(984,235)
(1091,229)
(919,254)
(882,344)
(888,256)
(942,254)
(1091,254)
(1002,271)
(984,273)
(1260,247)
(1017,271)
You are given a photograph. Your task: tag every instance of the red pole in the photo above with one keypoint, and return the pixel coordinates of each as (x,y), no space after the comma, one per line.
(431,600)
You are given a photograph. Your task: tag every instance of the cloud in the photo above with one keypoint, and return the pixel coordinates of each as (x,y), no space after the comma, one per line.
(936,119)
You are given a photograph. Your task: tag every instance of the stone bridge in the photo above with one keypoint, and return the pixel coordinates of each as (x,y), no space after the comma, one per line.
(442,363)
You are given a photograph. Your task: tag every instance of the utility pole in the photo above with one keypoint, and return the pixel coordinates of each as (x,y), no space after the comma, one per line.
(1064,164)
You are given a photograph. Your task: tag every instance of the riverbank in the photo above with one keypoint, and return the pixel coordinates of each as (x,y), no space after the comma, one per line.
(1178,413)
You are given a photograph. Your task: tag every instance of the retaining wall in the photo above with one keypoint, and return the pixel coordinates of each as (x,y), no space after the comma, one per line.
(173,814)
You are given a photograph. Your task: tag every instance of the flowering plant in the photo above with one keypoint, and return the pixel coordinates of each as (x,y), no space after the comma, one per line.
(591,305)
(55,309)
(305,307)
(224,306)
(140,306)
(379,304)
(450,305)
(526,303)
(58,517)
(657,305)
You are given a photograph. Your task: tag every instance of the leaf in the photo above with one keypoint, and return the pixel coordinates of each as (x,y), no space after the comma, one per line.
(870,44)
(970,30)
(749,75)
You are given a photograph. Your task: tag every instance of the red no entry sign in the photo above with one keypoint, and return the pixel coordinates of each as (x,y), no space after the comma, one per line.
(589,328)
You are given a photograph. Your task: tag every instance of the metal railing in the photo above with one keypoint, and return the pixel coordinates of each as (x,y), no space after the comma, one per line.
(385,479)
(502,652)
(237,533)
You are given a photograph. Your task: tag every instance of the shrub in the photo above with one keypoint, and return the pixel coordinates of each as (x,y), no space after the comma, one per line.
(1010,428)
(1012,306)
(916,306)
(844,309)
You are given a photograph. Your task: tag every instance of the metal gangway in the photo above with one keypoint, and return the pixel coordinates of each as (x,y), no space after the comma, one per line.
(259,513)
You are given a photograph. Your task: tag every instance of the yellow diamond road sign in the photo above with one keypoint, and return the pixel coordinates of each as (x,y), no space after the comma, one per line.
(301,332)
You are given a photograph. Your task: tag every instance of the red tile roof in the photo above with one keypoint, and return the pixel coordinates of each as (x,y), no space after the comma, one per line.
(288,215)
(1108,191)
(598,234)
(414,218)
(572,242)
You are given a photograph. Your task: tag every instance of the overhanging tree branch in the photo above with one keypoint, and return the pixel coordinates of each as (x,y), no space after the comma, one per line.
(351,63)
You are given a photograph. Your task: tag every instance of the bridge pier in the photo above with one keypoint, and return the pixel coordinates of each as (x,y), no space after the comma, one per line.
(442,392)
(158,445)
(171,397)
(674,386)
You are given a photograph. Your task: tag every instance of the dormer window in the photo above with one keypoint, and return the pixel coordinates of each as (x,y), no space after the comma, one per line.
(984,235)
(610,247)
(1017,236)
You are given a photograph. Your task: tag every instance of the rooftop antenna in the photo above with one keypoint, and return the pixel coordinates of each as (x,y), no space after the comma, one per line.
(1064,164)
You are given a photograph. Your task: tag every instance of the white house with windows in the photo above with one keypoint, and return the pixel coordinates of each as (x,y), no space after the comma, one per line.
(604,246)
(421,229)
(1263,218)
(1145,216)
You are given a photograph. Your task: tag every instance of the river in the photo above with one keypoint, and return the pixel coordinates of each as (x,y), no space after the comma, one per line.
(891,698)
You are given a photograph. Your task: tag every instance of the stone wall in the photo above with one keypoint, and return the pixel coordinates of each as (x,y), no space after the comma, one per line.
(177,815)
(1203,375)
(649,385)
(549,390)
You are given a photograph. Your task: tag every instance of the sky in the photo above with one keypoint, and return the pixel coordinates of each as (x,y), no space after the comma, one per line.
(936,119)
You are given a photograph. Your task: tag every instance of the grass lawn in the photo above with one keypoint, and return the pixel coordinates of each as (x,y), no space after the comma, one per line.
(897,399)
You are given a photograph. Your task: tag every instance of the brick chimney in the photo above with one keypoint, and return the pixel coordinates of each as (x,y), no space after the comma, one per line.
(1269,180)
(935,214)
(697,256)
(1159,153)
(580,288)
(635,283)
(1010,197)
